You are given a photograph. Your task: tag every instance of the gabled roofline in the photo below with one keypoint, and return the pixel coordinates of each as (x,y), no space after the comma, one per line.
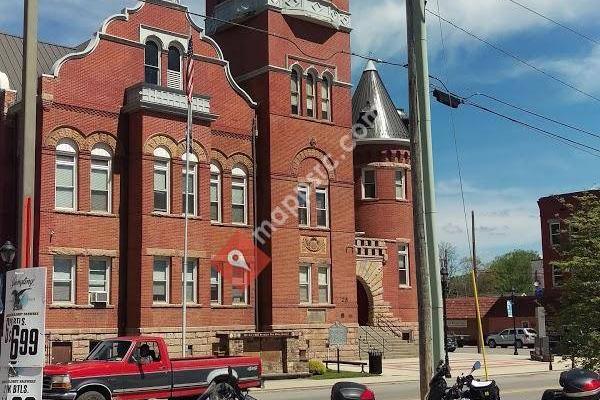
(124,16)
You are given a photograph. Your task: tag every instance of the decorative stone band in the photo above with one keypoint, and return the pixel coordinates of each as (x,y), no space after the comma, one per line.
(321,12)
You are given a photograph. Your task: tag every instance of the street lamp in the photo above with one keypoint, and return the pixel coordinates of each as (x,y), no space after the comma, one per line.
(7,253)
(514,315)
(445,284)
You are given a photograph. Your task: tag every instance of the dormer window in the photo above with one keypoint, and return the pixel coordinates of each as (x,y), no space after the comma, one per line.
(152,63)
(295,91)
(174,80)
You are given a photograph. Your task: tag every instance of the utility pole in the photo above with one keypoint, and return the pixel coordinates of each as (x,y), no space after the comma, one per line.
(27,149)
(428,272)
(474,261)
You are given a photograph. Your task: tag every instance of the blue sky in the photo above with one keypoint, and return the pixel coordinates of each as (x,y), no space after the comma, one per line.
(506,168)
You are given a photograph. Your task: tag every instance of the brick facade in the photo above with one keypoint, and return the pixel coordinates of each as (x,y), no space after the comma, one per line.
(87,102)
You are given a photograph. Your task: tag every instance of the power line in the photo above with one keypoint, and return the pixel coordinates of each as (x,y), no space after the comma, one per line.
(515,57)
(453,125)
(555,22)
(569,142)
(564,124)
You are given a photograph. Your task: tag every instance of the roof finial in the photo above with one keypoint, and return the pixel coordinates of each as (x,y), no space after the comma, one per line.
(370,66)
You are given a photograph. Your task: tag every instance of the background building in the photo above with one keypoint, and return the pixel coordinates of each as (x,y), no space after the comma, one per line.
(273,154)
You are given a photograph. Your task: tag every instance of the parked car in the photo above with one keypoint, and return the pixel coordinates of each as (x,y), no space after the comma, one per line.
(525,338)
(136,368)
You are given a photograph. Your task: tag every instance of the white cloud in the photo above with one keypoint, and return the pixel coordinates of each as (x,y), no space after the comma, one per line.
(505,218)
(581,71)
(380,25)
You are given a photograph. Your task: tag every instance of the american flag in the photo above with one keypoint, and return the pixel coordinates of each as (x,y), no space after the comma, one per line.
(189,89)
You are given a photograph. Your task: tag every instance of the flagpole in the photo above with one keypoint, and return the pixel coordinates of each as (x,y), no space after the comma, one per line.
(188,142)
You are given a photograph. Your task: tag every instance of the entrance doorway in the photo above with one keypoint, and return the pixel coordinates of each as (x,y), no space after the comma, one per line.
(364,304)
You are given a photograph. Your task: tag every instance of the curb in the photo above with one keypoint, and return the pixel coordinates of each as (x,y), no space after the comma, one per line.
(384,381)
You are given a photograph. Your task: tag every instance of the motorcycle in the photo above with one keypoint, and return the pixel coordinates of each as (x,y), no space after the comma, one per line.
(466,387)
(579,384)
(229,389)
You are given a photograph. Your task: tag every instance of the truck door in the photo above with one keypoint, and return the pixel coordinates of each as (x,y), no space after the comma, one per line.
(148,374)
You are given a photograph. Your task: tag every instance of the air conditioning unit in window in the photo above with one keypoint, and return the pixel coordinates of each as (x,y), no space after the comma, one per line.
(100,298)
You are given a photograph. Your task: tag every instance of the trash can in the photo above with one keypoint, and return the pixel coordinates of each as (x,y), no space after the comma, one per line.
(375,362)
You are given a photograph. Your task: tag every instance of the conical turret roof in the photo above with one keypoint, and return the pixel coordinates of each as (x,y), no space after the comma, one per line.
(372,98)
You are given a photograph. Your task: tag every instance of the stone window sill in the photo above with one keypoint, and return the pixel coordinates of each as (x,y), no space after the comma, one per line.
(230,306)
(316,305)
(405,287)
(314,228)
(230,225)
(86,213)
(370,199)
(165,305)
(313,119)
(175,216)
(79,306)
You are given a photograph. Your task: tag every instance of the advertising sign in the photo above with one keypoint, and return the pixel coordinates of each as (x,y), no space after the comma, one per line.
(458,323)
(24,318)
(21,383)
(509,308)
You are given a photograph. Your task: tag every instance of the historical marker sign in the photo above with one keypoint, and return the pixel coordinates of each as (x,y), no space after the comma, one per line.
(338,335)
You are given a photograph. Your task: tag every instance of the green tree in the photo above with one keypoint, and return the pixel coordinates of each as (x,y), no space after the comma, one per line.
(579,312)
(513,270)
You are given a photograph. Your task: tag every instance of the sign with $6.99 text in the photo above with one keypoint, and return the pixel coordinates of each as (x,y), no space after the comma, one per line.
(24,319)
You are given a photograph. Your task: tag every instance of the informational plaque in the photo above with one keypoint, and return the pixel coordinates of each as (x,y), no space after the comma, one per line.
(338,335)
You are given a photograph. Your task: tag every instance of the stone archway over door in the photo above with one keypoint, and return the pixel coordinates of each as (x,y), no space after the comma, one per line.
(369,275)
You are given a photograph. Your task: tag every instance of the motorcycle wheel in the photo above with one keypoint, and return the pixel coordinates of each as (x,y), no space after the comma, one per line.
(437,390)
(223,391)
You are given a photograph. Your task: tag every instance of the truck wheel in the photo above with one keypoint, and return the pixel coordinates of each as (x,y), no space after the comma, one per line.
(519,344)
(91,395)
(492,344)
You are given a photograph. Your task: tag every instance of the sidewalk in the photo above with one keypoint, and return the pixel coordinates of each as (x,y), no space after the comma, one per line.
(407,370)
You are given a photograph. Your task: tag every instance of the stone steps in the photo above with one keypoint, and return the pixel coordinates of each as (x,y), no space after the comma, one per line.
(390,344)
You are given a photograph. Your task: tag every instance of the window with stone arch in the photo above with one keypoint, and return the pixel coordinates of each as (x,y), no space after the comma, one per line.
(311,88)
(295,88)
(65,182)
(174,62)
(152,62)
(216,197)
(162,180)
(101,178)
(326,97)
(239,195)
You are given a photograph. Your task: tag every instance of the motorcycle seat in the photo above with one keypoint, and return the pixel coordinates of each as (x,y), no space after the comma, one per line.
(482,384)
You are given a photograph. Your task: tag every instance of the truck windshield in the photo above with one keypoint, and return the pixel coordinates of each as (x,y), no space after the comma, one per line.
(110,350)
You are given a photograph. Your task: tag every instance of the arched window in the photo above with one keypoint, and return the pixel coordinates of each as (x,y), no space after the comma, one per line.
(162,179)
(152,63)
(174,80)
(215,193)
(295,91)
(65,184)
(192,184)
(326,98)
(101,178)
(310,95)
(239,195)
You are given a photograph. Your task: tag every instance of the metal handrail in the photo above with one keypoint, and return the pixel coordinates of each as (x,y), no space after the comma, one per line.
(380,341)
(389,327)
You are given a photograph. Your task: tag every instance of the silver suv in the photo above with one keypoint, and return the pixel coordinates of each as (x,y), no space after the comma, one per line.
(525,337)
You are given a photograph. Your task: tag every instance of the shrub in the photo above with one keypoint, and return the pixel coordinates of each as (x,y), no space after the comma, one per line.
(316,367)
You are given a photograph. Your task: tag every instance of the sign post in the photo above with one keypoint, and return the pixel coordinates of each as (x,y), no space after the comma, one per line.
(22,349)
(338,337)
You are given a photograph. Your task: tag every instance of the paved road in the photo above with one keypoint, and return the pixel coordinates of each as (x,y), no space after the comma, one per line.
(497,350)
(525,387)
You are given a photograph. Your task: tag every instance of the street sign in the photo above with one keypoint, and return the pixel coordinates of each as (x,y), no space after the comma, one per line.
(509,308)
(21,383)
(23,343)
(338,335)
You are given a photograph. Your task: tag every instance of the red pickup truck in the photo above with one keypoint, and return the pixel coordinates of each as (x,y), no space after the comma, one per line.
(132,368)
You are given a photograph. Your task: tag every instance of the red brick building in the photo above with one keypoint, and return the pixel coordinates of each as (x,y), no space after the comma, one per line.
(554,210)
(273,161)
